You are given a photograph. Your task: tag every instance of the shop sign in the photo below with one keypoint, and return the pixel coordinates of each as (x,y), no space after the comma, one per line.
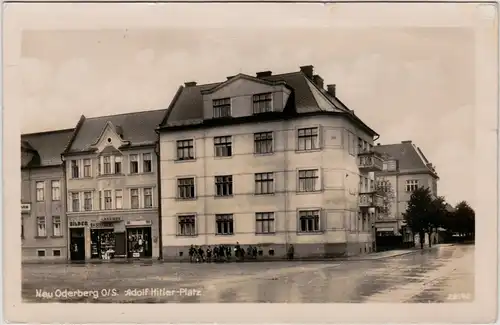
(109,219)
(78,223)
(101,225)
(139,223)
(25,207)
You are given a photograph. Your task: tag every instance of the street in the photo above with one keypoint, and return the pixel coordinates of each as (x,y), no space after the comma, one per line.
(442,274)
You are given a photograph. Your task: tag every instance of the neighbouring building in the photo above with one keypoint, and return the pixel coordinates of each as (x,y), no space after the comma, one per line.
(43,208)
(112,187)
(405,169)
(267,160)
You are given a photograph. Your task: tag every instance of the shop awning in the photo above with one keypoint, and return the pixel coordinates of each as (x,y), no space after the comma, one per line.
(386,229)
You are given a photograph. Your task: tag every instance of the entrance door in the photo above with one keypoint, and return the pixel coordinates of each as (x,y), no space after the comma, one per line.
(120,249)
(77,243)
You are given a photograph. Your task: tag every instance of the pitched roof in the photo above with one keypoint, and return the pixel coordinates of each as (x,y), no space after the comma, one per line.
(138,128)
(47,146)
(409,156)
(187,106)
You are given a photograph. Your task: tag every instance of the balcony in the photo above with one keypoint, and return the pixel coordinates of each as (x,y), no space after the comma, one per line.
(370,161)
(371,200)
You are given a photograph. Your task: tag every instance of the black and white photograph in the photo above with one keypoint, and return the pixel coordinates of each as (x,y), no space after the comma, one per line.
(255,154)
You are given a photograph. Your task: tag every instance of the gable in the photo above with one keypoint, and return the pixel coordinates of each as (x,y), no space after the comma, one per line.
(109,138)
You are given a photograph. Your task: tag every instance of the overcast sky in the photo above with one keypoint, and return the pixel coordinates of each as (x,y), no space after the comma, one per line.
(406,83)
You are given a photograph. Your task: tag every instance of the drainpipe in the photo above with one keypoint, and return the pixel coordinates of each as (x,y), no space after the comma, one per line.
(285,183)
(65,208)
(158,180)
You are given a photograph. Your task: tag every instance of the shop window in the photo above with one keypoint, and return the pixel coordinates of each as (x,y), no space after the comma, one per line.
(103,243)
(139,242)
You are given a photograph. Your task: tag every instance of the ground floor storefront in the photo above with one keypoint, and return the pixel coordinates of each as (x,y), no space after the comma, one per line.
(112,237)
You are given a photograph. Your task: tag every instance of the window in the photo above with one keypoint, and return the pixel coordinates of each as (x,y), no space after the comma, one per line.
(224,185)
(224,223)
(118,165)
(264,183)
(118,199)
(134,164)
(134,198)
(40,191)
(108,201)
(56,226)
(308,139)
(185,149)
(148,197)
(185,188)
(147,165)
(86,168)
(75,172)
(263,142)
(41,230)
(107,165)
(262,103)
(87,201)
(222,107)
(411,185)
(100,200)
(309,221)
(40,252)
(264,223)
(56,191)
(223,146)
(187,225)
(351,143)
(56,252)
(75,202)
(308,180)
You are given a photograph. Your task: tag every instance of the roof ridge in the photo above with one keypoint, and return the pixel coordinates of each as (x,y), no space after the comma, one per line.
(48,132)
(129,113)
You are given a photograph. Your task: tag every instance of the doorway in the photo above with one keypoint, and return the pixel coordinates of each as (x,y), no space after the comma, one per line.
(77,243)
(139,242)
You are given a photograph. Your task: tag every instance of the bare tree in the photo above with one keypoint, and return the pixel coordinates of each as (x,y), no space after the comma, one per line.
(384,187)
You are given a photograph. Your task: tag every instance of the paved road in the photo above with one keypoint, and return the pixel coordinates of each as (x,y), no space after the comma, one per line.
(443,274)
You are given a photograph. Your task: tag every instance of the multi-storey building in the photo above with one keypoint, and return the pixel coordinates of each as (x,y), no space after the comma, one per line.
(43,209)
(112,185)
(405,169)
(268,160)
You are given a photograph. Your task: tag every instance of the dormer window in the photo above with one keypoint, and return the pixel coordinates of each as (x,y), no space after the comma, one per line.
(262,103)
(222,107)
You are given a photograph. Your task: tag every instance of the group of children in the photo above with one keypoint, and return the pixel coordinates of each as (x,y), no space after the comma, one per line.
(224,253)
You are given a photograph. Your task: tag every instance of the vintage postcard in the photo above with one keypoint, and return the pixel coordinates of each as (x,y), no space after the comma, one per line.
(170,159)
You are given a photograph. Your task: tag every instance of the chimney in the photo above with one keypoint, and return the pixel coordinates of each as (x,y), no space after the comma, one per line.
(230,77)
(264,74)
(318,81)
(331,89)
(308,70)
(190,84)
(406,141)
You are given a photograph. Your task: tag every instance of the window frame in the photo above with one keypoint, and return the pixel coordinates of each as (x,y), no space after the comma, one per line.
(180,223)
(75,168)
(181,146)
(40,189)
(257,100)
(262,140)
(87,207)
(120,197)
(218,104)
(41,220)
(87,168)
(72,196)
(183,188)
(118,165)
(307,214)
(222,218)
(144,160)
(263,218)
(264,181)
(57,195)
(56,250)
(132,196)
(110,197)
(144,196)
(302,180)
(133,161)
(38,251)
(56,220)
(223,146)
(308,134)
(224,182)
(411,185)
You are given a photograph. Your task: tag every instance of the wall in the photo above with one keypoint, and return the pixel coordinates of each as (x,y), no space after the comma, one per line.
(47,208)
(339,178)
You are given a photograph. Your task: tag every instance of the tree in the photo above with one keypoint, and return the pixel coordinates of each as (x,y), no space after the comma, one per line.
(464,220)
(437,216)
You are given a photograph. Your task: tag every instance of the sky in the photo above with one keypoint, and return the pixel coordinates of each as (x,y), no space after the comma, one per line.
(407,83)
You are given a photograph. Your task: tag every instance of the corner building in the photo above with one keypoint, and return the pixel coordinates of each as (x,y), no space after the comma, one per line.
(112,187)
(270,160)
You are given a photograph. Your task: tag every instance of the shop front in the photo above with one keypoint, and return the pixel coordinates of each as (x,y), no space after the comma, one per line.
(112,237)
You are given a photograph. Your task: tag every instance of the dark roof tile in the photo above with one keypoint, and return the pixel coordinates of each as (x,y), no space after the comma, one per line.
(48,146)
(410,157)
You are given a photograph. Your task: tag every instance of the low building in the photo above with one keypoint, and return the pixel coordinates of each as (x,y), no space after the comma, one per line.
(112,185)
(43,209)
(265,160)
(405,169)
